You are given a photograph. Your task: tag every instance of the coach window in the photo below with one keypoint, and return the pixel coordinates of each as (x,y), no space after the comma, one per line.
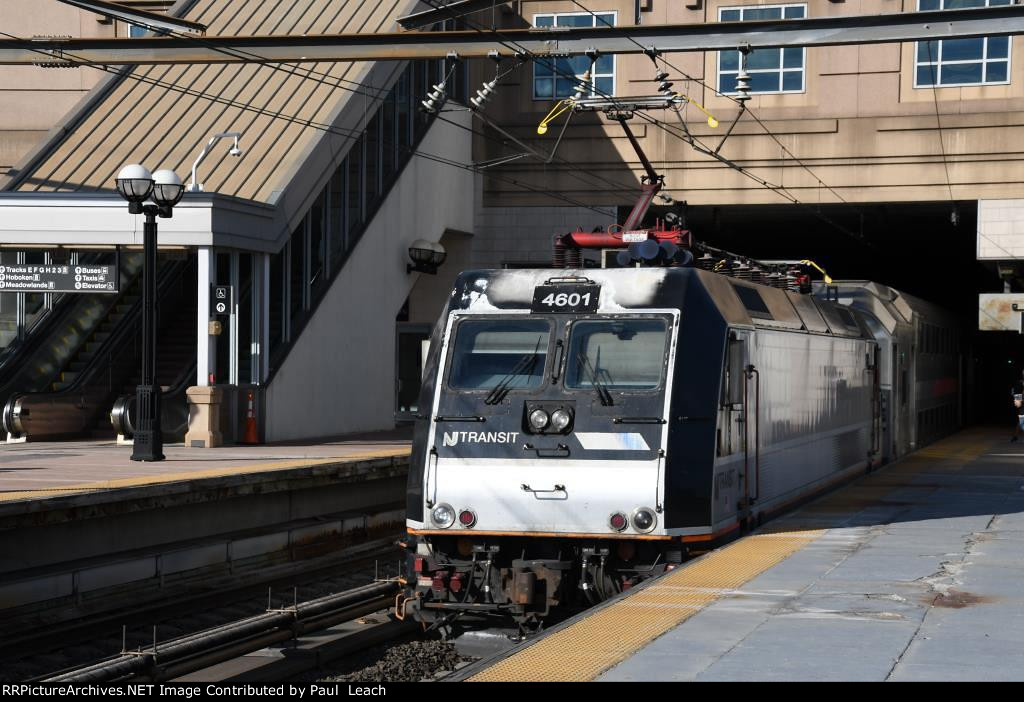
(621,354)
(489,352)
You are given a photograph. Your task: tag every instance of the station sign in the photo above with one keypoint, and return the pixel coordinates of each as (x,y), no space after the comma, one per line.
(58,278)
(221,300)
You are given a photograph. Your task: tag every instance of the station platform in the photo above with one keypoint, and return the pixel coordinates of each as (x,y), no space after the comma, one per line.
(48,470)
(83,527)
(910,573)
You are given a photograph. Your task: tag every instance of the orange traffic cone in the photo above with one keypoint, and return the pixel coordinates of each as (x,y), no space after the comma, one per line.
(252,432)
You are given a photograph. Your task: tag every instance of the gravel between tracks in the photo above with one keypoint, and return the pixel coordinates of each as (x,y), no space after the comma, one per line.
(407,661)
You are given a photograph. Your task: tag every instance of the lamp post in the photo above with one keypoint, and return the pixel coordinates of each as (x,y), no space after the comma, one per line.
(164,188)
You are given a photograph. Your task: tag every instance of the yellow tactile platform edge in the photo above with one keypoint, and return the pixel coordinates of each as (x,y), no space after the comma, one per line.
(144,481)
(587,648)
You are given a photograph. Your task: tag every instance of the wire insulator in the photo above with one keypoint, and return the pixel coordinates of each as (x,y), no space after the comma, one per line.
(484,94)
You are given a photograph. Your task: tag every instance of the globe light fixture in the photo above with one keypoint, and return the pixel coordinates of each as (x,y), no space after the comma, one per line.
(426,256)
(167,189)
(134,183)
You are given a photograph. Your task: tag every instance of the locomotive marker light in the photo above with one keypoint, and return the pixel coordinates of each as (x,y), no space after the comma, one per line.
(467,518)
(443,516)
(643,519)
(426,257)
(618,521)
(164,188)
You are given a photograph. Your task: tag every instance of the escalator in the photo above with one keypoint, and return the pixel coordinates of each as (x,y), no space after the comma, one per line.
(35,362)
(80,397)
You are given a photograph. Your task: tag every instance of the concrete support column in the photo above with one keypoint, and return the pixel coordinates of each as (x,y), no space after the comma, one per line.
(204,342)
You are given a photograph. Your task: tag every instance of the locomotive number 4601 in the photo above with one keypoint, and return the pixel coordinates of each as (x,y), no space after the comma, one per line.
(565,298)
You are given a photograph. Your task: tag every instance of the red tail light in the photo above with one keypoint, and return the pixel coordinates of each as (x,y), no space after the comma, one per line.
(417,565)
(467,518)
(618,521)
(456,583)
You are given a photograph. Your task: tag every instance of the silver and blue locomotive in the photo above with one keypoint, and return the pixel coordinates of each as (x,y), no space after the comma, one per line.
(586,429)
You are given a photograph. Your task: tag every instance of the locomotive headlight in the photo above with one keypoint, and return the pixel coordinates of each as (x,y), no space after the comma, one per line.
(539,419)
(443,516)
(560,419)
(643,519)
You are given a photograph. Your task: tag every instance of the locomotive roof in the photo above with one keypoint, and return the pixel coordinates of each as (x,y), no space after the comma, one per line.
(740,302)
(889,305)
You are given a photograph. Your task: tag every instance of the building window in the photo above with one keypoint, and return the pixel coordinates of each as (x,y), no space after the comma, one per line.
(554,79)
(978,61)
(771,70)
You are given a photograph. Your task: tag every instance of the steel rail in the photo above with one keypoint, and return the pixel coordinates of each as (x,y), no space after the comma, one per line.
(544,42)
(201,649)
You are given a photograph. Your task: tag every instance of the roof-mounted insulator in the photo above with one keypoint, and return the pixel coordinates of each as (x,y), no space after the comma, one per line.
(660,76)
(484,94)
(434,99)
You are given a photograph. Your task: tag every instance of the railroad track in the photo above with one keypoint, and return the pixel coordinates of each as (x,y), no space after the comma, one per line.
(195,652)
(84,641)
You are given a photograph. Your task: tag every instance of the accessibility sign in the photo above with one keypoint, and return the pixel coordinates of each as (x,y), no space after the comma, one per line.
(220,301)
(58,278)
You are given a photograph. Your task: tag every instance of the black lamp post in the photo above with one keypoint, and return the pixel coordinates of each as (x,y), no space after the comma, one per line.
(136,185)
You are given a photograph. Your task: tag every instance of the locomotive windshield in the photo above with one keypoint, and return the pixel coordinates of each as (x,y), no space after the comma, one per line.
(620,354)
(506,352)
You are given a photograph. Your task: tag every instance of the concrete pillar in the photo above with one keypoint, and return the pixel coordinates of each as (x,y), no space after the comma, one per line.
(204,417)
(204,342)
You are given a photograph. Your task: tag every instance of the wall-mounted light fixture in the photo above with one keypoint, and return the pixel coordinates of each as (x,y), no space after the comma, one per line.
(195,186)
(426,257)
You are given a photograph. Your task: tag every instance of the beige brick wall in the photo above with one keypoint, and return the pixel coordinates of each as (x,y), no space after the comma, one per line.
(860,125)
(34,100)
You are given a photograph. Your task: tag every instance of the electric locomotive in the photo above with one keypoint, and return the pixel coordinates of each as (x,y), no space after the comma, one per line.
(588,428)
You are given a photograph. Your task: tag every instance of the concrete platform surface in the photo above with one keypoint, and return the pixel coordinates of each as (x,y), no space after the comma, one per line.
(912,572)
(35,471)
(916,576)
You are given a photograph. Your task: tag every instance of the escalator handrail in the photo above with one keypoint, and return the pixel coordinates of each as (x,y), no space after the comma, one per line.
(120,418)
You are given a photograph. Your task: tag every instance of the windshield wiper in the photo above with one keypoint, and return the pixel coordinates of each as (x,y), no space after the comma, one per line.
(526,363)
(602,391)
